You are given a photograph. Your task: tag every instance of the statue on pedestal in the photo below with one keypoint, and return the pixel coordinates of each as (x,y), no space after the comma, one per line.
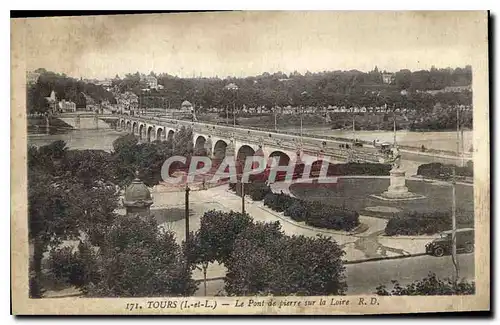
(397,189)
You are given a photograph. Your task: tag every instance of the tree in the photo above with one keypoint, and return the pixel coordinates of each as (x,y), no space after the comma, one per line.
(265,261)
(199,252)
(49,220)
(429,286)
(89,167)
(139,259)
(218,231)
(64,202)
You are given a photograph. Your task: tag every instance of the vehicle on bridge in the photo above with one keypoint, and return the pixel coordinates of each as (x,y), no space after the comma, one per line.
(385,148)
(443,245)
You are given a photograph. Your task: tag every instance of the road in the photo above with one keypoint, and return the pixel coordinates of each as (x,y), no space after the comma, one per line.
(363,278)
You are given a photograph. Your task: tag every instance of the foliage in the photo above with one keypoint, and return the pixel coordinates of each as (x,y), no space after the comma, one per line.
(65,88)
(297,211)
(314,213)
(77,268)
(89,167)
(130,156)
(445,172)
(262,260)
(265,261)
(429,286)
(278,202)
(257,190)
(325,216)
(340,88)
(218,231)
(413,223)
(141,260)
(63,201)
(49,221)
(371,169)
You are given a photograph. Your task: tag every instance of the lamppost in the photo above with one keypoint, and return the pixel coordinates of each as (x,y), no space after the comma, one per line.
(303,94)
(454,208)
(394,122)
(234,88)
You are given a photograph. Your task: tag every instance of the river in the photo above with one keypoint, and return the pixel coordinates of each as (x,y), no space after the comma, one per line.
(444,140)
(101,139)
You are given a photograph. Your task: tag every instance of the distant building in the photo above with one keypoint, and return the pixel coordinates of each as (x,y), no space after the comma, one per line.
(388,78)
(151,81)
(449,89)
(66,106)
(127,101)
(52,101)
(106,84)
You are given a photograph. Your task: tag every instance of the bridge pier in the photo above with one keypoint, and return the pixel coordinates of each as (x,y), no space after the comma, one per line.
(47,125)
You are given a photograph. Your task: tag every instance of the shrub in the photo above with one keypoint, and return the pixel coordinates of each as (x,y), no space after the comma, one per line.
(267,262)
(257,190)
(415,223)
(65,265)
(315,213)
(371,169)
(445,172)
(297,211)
(270,200)
(76,268)
(429,286)
(326,216)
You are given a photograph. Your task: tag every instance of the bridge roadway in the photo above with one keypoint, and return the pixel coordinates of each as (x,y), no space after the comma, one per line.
(222,140)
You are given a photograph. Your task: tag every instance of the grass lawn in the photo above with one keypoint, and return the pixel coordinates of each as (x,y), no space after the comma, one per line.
(354,193)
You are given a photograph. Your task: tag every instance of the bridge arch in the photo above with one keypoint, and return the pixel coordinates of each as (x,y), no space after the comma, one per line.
(160,134)
(220,150)
(141,131)
(150,134)
(284,159)
(135,128)
(122,124)
(199,144)
(170,135)
(243,152)
(129,128)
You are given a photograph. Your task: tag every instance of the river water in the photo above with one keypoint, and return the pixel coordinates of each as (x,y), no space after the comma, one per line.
(101,139)
(445,140)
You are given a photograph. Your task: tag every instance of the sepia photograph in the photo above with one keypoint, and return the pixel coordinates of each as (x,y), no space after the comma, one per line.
(250,162)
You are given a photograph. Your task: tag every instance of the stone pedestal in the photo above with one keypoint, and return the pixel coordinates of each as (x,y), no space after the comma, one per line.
(397,189)
(398,183)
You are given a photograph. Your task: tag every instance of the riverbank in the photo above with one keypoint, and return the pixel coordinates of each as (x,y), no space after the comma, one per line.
(40,123)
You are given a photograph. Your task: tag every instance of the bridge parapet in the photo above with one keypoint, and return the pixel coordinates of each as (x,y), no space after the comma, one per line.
(290,142)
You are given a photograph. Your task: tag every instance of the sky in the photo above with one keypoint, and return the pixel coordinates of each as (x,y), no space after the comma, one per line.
(250,43)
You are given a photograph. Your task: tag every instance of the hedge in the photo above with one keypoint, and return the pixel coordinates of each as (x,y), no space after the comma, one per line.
(371,169)
(256,190)
(297,211)
(314,213)
(416,223)
(442,171)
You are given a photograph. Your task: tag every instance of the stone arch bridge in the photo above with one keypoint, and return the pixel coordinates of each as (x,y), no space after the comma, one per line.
(220,141)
